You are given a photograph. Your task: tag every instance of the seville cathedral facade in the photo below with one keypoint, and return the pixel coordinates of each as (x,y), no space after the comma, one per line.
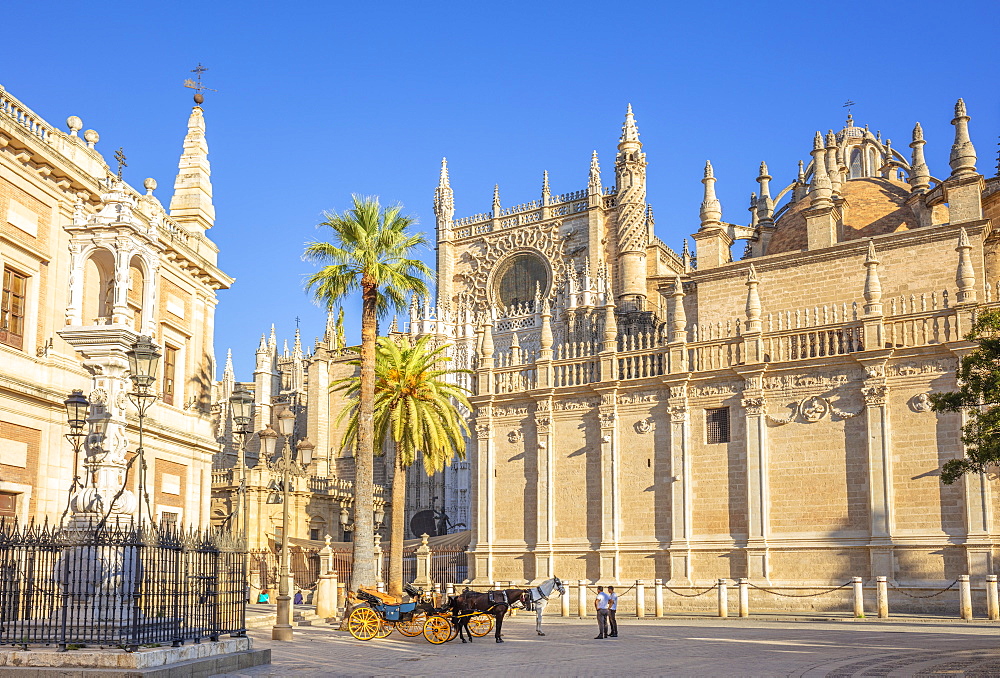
(90,264)
(641,413)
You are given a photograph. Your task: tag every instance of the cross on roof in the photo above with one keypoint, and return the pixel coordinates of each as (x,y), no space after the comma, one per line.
(847,104)
(120,157)
(197,86)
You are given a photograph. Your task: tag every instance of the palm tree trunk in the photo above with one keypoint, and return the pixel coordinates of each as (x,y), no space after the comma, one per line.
(398,525)
(363,570)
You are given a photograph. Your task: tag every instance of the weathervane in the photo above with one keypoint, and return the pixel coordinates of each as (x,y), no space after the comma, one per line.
(847,104)
(120,157)
(196,85)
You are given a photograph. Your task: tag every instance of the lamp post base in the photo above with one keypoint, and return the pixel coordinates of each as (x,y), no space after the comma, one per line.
(282,630)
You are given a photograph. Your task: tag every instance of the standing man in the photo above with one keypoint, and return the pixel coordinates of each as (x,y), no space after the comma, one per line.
(601,605)
(612,608)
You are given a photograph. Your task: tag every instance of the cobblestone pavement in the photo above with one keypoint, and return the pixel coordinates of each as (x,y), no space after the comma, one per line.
(733,647)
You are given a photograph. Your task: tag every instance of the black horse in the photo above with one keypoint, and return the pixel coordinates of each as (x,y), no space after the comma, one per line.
(470,603)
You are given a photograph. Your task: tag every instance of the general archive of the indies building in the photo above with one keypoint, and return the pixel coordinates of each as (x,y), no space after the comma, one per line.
(638,413)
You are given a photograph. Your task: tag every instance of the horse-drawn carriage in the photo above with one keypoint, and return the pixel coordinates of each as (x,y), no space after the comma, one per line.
(421,614)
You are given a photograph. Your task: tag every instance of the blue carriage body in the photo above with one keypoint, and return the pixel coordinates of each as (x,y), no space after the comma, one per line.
(394,612)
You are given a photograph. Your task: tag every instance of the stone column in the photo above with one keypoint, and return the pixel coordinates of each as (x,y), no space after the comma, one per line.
(546,484)
(485,499)
(758,469)
(610,488)
(379,560)
(423,553)
(680,487)
(880,483)
(123,256)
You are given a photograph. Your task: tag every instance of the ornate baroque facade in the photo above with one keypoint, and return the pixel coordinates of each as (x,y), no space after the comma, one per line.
(641,413)
(89,264)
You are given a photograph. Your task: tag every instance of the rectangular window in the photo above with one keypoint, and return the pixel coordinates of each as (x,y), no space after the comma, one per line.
(15,286)
(169,374)
(8,505)
(168,518)
(717,425)
(314,534)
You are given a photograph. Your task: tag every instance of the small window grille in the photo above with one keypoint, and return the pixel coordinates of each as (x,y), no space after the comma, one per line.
(717,425)
(8,505)
(168,518)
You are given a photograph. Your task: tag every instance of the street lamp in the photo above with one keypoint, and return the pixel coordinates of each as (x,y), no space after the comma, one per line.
(77,408)
(282,629)
(379,515)
(345,522)
(241,404)
(305,449)
(142,361)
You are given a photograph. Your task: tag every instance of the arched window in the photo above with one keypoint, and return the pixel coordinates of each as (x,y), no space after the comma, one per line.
(136,292)
(857,168)
(872,165)
(99,288)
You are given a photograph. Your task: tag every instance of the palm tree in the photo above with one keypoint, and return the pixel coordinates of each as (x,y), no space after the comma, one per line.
(370,252)
(417,408)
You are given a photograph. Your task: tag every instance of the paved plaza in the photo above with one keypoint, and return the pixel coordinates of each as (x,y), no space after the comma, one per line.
(708,647)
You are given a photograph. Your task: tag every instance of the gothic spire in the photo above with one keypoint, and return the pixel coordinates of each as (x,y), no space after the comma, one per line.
(496,200)
(822,191)
(444,197)
(920,176)
(630,133)
(965,276)
(873,286)
(594,185)
(963,154)
(765,206)
(191,204)
(545,183)
(832,166)
(711,208)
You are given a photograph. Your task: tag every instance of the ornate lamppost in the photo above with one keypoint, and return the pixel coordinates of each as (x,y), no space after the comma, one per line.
(241,404)
(77,410)
(143,359)
(282,629)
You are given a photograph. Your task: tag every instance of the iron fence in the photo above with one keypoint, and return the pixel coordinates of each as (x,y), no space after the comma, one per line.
(446,566)
(119,585)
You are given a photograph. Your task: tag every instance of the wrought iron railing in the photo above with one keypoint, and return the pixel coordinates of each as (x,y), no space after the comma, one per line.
(120,585)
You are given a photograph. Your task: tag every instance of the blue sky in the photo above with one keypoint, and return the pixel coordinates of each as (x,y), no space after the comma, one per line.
(319,100)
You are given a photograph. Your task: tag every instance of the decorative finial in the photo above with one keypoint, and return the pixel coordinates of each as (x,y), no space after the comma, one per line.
(802,172)
(918,132)
(443,181)
(150,185)
(545,182)
(196,85)
(75,125)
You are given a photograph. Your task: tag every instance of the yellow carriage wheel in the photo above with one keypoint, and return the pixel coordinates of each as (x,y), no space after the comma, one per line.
(414,627)
(480,625)
(384,629)
(364,623)
(438,630)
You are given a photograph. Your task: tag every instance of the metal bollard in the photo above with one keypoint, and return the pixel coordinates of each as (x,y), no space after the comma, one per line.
(582,599)
(964,597)
(859,597)
(992,606)
(744,585)
(882,597)
(640,598)
(659,597)
(564,604)
(723,598)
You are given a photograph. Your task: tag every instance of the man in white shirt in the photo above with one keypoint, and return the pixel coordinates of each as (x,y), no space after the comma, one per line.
(612,608)
(601,605)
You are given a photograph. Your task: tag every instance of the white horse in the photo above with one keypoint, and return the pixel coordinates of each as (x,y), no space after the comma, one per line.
(539,596)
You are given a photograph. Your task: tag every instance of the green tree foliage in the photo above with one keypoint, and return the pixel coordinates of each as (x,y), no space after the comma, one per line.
(979,397)
(370,252)
(417,409)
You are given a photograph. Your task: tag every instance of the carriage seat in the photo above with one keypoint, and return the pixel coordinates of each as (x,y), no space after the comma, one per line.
(386,598)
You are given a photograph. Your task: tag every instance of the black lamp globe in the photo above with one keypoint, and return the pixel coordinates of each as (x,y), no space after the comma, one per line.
(142,362)
(241,402)
(77,407)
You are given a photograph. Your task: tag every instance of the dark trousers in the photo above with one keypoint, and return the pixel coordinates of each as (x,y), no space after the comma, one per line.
(602,622)
(614,622)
